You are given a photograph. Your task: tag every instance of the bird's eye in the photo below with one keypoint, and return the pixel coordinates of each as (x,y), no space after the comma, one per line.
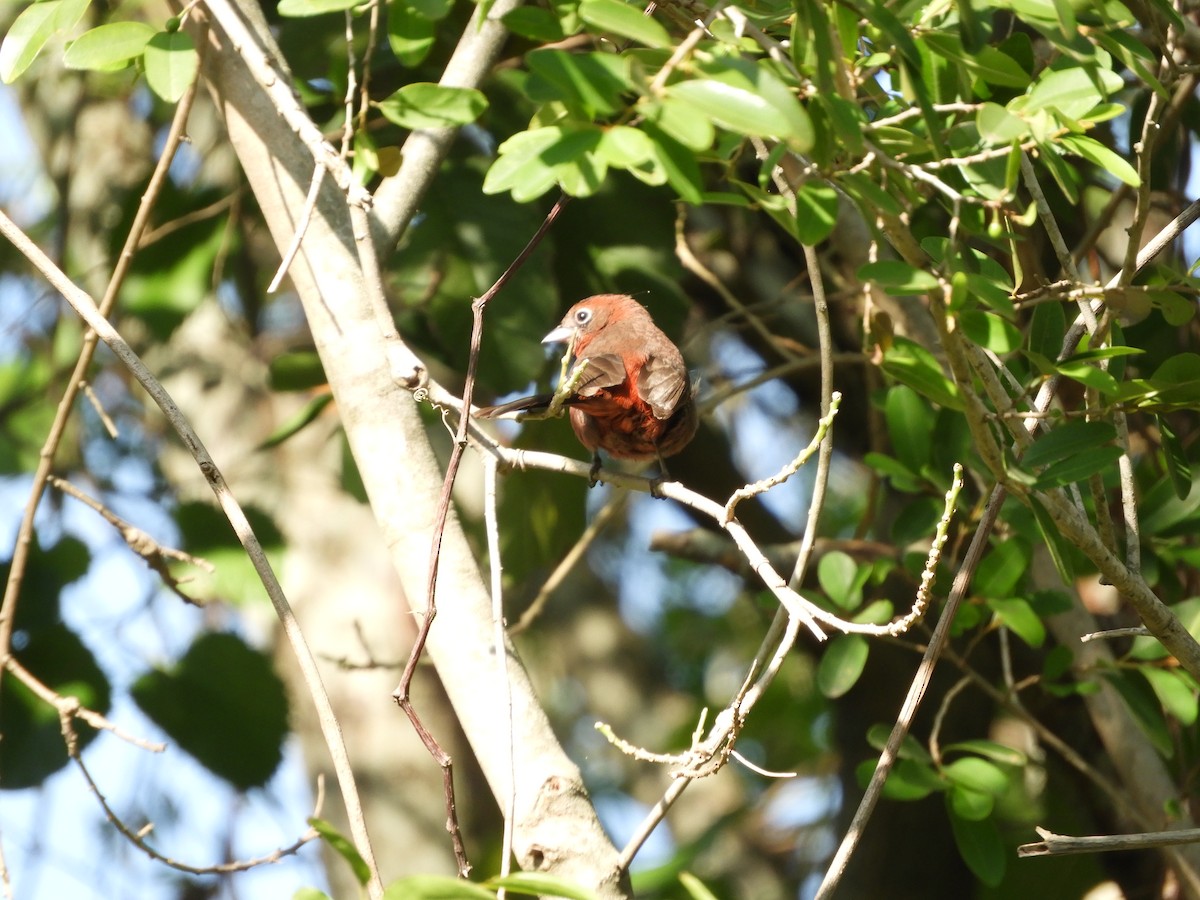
(583,316)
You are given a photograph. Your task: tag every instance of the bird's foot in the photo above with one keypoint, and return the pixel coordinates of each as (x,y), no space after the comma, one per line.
(594,472)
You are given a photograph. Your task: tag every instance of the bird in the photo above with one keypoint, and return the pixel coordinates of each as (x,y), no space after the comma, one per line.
(633,399)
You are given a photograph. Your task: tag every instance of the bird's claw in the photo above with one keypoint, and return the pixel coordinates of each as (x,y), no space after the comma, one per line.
(594,472)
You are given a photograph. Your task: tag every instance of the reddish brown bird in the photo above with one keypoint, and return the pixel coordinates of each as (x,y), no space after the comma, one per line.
(634,400)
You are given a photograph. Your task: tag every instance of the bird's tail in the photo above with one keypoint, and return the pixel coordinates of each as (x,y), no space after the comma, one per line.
(536,403)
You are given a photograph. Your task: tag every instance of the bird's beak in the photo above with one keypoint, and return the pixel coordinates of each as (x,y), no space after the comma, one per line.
(559,335)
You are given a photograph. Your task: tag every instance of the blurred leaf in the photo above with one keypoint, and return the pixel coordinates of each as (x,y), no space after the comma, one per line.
(294,425)
(344,848)
(33,748)
(977,774)
(910,426)
(207,534)
(968,804)
(898,277)
(108,47)
(981,847)
(1001,753)
(223,703)
(1178,466)
(695,887)
(541,884)
(410,35)
(1146,708)
(534,23)
(841,664)
(436,887)
(302,8)
(1175,691)
(36,24)
(297,370)
(627,21)
(908,780)
(1002,569)
(1018,616)
(839,576)
(816,212)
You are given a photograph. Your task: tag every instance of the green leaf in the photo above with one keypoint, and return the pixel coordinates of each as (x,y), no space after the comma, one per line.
(968,804)
(816,212)
(1095,152)
(913,365)
(990,331)
(842,579)
(749,100)
(910,426)
(410,35)
(683,173)
(842,664)
(302,8)
(1046,329)
(433,10)
(1175,691)
(988,64)
(1072,91)
(310,893)
(37,23)
(208,534)
(898,277)
(981,847)
(998,127)
(1052,537)
(33,748)
(1001,753)
(171,64)
(541,884)
(423,104)
(591,83)
(1079,467)
(1067,440)
(1018,616)
(344,848)
(1002,569)
(296,423)
(619,18)
(677,119)
(108,47)
(223,703)
(1178,465)
(534,23)
(436,887)
(697,889)
(977,774)
(908,780)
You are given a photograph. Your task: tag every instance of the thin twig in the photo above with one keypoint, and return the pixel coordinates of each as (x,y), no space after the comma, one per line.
(402,692)
(1053,844)
(492,526)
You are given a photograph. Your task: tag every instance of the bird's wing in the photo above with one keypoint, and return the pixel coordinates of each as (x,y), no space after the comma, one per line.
(662,385)
(603,371)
